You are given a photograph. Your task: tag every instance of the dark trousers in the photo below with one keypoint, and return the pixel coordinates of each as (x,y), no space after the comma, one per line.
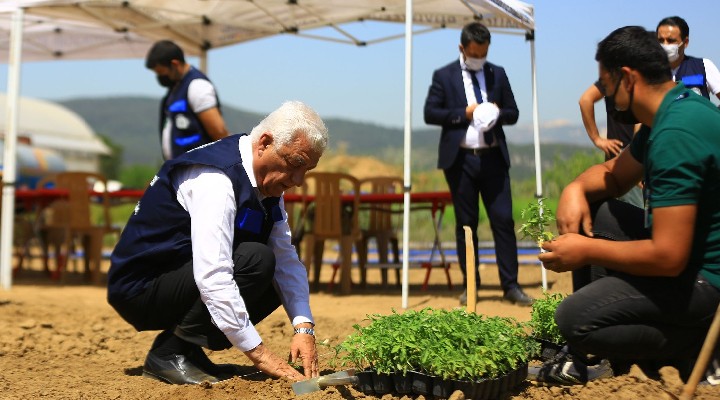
(172,300)
(612,220)
(625,317)
(485,176)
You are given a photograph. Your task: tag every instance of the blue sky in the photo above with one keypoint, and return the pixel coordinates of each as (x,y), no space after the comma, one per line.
(367,84)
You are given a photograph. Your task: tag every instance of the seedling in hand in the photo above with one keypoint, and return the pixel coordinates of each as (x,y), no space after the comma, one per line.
(537,217)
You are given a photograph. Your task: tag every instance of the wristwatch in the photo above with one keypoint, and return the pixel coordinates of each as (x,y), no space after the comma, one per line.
(307,331)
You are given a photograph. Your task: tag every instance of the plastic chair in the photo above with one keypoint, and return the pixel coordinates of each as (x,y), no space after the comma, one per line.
(328,217)
(65,221)
(381,225)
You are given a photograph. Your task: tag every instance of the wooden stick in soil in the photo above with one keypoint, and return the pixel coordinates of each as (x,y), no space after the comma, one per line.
(703,359)
(470,270)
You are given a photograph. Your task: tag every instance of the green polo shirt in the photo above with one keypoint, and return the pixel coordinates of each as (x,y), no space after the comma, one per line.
(681,157)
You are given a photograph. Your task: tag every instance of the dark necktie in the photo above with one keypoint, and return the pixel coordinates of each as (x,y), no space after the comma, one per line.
(487,135)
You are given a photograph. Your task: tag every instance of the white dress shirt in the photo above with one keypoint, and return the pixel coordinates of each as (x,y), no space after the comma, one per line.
(485,115)
(207,194)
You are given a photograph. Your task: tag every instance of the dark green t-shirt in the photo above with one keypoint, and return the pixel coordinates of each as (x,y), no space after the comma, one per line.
(681,157)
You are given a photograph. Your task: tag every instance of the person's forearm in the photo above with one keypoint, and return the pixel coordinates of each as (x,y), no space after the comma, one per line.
(635,257)
(596,183)
(591,127)
(213,123)
(587,113)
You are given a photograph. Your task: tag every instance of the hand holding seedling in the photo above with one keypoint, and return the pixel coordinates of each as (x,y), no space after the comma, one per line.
(537,217)
(560,254)
(565,253)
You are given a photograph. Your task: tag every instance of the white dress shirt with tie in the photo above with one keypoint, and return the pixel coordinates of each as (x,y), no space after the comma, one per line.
(485,115)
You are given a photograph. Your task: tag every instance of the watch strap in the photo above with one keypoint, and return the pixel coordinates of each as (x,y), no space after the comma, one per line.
(307,331)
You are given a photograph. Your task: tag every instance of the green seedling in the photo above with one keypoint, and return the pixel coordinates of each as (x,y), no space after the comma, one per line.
(542,318)
(537,217)
(448,344)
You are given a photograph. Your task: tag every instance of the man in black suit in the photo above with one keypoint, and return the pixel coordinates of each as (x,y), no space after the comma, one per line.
(471,99)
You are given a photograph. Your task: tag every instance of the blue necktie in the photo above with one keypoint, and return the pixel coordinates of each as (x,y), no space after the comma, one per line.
(487,135)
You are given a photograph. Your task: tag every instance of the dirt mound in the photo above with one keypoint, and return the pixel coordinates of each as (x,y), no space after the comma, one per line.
(357,166)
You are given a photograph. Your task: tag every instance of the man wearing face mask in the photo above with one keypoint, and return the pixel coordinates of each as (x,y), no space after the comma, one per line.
(190,111)
(698,74)
(655,306)
(621,127)
(471,100)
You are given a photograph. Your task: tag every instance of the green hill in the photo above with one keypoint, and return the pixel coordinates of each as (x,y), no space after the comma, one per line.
(132,123)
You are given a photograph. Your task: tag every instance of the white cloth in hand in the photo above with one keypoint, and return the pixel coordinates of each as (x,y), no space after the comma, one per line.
(485,116)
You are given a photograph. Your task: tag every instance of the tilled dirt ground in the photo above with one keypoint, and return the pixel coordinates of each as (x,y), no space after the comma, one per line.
(65,342)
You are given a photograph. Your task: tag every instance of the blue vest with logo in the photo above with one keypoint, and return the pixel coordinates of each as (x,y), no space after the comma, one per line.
(691,73)
(187,132)
(156,238)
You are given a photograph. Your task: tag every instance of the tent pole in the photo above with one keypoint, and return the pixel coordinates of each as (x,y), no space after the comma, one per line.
(536,135)
(406,159)
(203,61)
(9,163)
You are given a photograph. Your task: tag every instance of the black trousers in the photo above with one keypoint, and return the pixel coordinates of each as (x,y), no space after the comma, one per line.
(612,220)
(172,300)
(628,318)
(470,178)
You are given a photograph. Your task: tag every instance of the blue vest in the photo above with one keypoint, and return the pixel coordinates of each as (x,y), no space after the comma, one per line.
(156,238)
(691,73)
(187,132)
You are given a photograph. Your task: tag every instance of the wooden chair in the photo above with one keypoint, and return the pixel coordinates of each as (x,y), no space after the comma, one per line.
(330,218)
(67,220)
(381,224)
(23,235)
(295,215)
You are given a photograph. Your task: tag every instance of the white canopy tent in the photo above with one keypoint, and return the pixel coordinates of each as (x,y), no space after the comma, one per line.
(201,25)
(45,39)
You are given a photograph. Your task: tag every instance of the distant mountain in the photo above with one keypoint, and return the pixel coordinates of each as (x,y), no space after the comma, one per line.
(132,123)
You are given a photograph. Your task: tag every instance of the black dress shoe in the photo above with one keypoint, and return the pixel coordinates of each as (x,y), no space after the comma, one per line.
(176,369)
(517,296)
(221,371)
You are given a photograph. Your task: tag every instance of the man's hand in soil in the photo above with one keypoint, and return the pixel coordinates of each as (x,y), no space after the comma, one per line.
(271,364)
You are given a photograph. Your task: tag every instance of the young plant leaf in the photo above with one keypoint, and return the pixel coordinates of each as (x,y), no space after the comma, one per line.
(536,217)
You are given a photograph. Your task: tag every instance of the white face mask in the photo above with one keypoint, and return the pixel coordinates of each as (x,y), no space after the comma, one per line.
(672,50)
(475,64)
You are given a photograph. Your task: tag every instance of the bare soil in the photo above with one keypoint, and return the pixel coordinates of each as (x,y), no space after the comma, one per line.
(65,342)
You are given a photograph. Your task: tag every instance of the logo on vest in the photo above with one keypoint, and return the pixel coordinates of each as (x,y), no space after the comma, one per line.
(181,122)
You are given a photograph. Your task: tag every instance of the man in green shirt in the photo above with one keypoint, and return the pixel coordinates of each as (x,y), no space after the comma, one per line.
(656,304)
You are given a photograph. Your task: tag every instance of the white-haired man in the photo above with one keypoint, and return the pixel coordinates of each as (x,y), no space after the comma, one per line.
(207,253)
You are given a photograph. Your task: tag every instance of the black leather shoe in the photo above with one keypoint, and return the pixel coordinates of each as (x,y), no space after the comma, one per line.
(517,296)
(176,369)
(220,371)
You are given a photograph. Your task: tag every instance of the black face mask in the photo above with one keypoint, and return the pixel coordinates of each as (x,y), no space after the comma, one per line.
(622,116)
(165,81)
